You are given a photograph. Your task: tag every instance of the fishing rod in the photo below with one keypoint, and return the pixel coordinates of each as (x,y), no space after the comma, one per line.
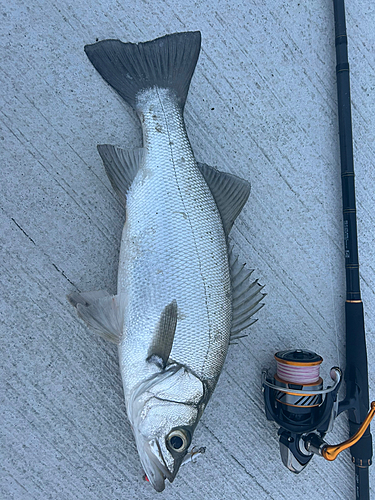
(294,397)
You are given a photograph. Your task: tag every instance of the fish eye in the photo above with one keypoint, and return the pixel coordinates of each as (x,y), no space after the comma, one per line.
(178,440)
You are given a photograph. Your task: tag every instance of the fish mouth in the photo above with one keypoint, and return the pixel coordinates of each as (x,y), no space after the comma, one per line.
(154,464)
(156,473)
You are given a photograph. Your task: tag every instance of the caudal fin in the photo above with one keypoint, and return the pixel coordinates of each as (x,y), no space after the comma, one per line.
(167,62)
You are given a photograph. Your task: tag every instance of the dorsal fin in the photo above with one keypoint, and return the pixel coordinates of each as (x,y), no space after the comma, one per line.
(246,296)
(121,166)
(229,191)
(162,341)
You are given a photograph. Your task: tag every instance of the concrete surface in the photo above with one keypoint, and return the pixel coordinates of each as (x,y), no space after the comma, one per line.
(262,105)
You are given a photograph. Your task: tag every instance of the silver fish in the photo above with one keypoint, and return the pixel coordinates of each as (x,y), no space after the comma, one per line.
(182,294)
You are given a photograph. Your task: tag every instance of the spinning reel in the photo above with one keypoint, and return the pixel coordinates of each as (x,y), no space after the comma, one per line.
(295,399)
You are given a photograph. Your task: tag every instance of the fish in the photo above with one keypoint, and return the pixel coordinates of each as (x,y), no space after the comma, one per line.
(183,295)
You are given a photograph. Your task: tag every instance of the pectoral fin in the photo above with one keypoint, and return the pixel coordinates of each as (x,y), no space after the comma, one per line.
(102,312)
(162,342)
(229,191)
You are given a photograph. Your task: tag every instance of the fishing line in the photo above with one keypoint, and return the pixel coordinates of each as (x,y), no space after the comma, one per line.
(328,250)
(323,168)
(298,371)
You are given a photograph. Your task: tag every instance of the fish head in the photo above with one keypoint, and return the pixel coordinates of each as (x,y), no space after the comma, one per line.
(164,416)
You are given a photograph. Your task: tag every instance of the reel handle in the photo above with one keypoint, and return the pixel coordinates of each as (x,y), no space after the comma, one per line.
(315,444)
(330,452)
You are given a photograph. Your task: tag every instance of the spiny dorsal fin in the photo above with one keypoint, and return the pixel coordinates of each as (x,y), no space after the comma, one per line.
(246,296)
(121,166)
(102,312)
(162,341)
(229,191)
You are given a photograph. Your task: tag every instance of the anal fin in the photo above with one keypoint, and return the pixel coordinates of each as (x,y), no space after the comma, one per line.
(121,166)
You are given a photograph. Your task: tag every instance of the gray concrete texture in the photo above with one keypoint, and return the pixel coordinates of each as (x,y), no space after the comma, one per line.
(262,105)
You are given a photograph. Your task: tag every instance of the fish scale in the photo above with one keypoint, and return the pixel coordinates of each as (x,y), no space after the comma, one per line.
(174,236)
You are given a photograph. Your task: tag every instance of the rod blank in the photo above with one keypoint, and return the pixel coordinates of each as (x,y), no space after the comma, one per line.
(356,373)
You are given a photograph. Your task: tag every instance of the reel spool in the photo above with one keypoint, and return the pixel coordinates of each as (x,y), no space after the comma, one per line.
(298,370)
(295,399)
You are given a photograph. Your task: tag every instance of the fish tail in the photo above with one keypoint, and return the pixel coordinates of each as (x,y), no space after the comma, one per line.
(130,68)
